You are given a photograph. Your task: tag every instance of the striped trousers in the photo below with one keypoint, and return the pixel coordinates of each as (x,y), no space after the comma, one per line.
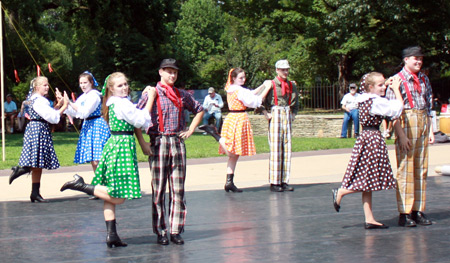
(168,165)
(412,166)
(280,145)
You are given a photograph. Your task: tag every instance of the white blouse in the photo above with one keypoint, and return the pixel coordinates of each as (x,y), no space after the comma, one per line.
(382,106)
(87,103)
(246,96)
(127,111)
(42,106)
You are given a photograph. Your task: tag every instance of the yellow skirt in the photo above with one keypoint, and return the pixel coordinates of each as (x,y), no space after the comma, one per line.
(238,134)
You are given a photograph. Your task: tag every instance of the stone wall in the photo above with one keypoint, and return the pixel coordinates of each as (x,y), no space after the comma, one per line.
(304,125)
(317,126)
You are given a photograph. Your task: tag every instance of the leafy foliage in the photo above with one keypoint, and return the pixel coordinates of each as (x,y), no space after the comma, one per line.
(324,40)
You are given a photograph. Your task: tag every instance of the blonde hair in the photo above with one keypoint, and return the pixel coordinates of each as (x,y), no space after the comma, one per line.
(370,80)
(38,82)
(109,82)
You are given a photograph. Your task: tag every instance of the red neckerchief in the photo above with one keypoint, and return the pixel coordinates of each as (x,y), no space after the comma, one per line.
(283,90)
(174,97)
(284,86)
(417,86)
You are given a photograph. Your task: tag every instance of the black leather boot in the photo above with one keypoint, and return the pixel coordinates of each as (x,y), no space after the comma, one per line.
(35,194)
(79,185)
(17,172)
(211,130)
(112,239)
(229,186)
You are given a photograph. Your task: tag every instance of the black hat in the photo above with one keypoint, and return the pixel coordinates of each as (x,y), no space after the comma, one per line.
(169,63)
(412,51)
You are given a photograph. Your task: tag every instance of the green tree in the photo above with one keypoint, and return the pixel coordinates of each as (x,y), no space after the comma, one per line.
(199,40)
(342,40)
(101,36)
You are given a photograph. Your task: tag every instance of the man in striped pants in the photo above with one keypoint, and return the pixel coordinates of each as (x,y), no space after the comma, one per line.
(282,101)
(413,136)
(168,152)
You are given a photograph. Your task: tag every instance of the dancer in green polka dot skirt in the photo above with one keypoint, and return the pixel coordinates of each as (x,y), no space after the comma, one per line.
(117,177)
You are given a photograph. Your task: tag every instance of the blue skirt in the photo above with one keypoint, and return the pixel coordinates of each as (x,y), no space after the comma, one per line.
(38,150)
(93,136)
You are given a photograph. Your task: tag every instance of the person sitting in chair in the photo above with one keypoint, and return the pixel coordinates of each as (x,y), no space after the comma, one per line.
(10,110)
(350,107)
(212,105)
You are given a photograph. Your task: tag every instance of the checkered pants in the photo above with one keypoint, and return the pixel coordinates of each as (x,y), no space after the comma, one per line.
(168,164)
(280,145)
(412,166)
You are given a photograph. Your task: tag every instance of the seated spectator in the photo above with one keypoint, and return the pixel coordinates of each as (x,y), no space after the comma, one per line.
(350,107)
(10,110)
(212,105)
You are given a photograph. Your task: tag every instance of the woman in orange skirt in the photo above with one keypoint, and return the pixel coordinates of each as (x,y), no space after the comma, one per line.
(236,138)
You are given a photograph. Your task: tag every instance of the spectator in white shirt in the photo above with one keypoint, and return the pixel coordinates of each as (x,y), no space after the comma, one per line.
(213,104)
(350,107)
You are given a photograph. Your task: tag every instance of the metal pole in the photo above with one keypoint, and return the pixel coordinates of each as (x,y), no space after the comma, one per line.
(2,84)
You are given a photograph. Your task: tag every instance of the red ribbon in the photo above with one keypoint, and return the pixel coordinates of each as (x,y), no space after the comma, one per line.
(38,70)
(50,68)
(17,76)
(70,119)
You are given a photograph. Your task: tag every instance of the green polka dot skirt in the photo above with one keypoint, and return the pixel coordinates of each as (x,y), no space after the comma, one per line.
(118,167)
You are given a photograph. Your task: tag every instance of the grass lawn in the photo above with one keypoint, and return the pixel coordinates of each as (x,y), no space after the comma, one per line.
(198,146)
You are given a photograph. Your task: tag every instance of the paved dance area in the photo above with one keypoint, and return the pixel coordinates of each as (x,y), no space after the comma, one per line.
(254,226)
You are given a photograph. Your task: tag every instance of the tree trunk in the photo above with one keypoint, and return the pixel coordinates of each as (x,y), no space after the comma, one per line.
(343,73)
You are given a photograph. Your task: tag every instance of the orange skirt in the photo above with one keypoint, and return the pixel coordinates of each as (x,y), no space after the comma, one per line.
(238,134)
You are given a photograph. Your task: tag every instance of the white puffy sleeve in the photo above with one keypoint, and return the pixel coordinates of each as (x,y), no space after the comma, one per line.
(127,111)
(385,107)
(86,103)
(248,98)
(42,107)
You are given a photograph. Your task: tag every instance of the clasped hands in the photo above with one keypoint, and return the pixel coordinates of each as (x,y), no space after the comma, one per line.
(62,100)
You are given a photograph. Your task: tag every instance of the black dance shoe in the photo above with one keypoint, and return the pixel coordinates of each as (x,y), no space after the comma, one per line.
(37,198)
(211,130)
(232,187)
(162,239)
(335,204)
(276,188)
(373,226)
(177,239)
(286,187)
(112,238)
(78,184)
(420,218)
(114,241)
(17,172)
(406,221)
